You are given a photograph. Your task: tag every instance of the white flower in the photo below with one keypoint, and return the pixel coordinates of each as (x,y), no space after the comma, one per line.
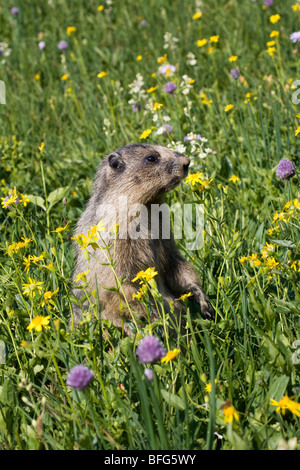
(170,41)
(191,59)
(177,146)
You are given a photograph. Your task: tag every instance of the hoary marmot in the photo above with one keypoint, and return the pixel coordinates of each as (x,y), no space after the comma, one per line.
(138,175)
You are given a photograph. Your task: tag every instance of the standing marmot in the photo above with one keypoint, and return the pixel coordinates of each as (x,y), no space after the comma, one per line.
(140,174)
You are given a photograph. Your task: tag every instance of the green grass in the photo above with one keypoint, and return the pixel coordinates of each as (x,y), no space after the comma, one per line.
(250,349)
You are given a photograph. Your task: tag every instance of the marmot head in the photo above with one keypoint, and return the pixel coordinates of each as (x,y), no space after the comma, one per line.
(141,172)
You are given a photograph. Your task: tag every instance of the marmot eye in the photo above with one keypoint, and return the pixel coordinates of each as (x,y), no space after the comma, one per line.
(151,158)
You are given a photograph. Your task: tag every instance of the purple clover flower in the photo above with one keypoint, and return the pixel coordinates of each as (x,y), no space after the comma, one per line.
(235,73)
(268,3)
(150,350)
(62,45)
(170,87)
(167,129)
(79,377)
(14,10)
(148,374)
(136,107)
(295,37)
(285,169)
(42,45)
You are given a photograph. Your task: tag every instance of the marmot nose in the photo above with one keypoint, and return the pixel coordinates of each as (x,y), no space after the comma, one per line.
(185,161)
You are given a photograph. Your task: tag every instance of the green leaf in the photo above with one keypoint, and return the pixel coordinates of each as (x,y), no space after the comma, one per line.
(173,400)
(278,388)
(287,243)
(37,200)
(56,196)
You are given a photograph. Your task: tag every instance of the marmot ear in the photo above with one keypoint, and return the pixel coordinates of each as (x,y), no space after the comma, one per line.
(116,162)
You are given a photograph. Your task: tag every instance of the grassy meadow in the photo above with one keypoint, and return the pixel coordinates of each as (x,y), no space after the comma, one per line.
(81,79)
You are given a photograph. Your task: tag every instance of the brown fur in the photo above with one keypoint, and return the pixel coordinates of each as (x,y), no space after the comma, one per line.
(126,172)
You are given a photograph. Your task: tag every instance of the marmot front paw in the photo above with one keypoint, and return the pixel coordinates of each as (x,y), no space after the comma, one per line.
(207,311)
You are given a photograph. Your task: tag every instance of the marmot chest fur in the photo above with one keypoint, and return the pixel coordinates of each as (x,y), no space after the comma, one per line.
(130,183)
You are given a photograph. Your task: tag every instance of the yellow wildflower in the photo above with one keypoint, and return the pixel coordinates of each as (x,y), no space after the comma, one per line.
(229,412)
(82,276)
(297,131)
(139,57)
(194,178)
(37,77)
(7,201)
(184,296)
(38,323)
(102,74)
(162,59)
(145,276)
(145,134)
(267,249)
(254,261)
(275,18)
(42,146)
(234,179)
(48,297)
(201,42)
(214,39)
(274,34)
(279,216)
(271,43)
(151,89)
(233,58)
(140,293)
(294,266)
(16,246)
(296,7)
(228,107)
(27,262)
(71,30)
(65,76)
(170,356)
(31,288)
(24,199)
(271,263)
(157,106)
(60,229)
(100,8)
(271,51)
(242,259)
(208,386)
(197,15)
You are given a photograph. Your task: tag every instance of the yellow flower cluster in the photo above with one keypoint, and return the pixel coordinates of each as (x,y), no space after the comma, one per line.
(145,134)
(32,260)
(15,247)
(197,180)
(48,298)
(286,403)
(204,99)
(14,198)
(145,276)
(91,238)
